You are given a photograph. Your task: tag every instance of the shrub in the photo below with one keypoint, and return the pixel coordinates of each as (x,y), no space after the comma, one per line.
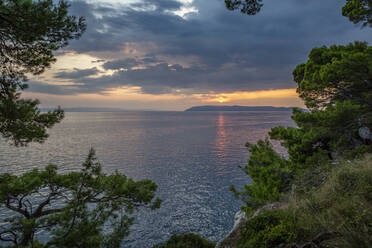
(341,207)
(270,229)
(271,175)
(188,240)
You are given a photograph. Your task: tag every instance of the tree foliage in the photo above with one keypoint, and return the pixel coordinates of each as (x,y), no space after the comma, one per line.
(358,11)
(22,122)
(187,240)
(249,7)
(336,85)
(72,208)
(42,208)
(30,31)
(270,173)
(336,73)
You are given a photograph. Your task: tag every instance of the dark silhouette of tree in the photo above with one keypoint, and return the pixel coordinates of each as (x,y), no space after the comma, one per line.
(249,7)
(30,31)
(358,11)
(78,209)
(337,73)
(336,86)
(71,208)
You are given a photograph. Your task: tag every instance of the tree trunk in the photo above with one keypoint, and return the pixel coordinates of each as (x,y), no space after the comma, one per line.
(27,238)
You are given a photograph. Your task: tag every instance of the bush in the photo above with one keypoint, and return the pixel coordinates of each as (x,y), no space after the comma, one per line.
(341,207)
(270,229)
(188,240)
(270,173)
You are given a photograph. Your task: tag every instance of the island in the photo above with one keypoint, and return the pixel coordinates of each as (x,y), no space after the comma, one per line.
(238,108)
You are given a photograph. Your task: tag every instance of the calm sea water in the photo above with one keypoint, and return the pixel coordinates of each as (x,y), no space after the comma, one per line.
(192,156)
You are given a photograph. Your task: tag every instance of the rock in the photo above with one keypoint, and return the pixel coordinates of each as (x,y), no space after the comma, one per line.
(365,133)
(239,220)
(268,207)
(239,217)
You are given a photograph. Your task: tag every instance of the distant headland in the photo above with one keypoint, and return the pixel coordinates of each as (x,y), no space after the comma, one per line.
(238,108)
(86,109)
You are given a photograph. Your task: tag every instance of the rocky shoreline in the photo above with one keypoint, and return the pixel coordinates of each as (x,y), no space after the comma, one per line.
(239,220)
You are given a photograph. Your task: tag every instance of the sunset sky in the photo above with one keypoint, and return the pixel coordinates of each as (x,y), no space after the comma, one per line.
(174,54)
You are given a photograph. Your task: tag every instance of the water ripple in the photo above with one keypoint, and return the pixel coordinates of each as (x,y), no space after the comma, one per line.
(192,156)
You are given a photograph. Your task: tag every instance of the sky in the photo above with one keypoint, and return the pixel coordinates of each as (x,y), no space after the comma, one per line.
(174,54)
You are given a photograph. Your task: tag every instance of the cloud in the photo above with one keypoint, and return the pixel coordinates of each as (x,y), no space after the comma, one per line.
(128,63)
(215,50)
(40,87)
(77,73)
(121,64)
(98,61)
(159,5)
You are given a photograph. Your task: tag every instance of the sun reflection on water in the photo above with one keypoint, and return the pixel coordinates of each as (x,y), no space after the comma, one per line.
(221,139)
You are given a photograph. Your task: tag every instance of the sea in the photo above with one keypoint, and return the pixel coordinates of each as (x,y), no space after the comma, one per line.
(193,157)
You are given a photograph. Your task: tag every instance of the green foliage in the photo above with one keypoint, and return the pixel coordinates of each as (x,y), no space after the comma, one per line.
(249,7)
(270,174)
(358,152)
(187,240)
(337,73)
(30,31)
(358,11)
(310,179)
(338,213)
(323,135)
(73,208)
(269,229)
(22,122)
(342,205)
(329,131)
(300,145)
(78,209)
(331,207)
(336,86)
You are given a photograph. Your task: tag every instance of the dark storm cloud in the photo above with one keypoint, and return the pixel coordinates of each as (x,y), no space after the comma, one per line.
(129,63)
(77,73)
(151,60)
(162,78)
(40,87)
(233,51)
(121,64)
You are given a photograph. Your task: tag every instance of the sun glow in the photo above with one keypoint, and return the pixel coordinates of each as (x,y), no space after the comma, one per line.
(248,95)
(132,97)
(221,99)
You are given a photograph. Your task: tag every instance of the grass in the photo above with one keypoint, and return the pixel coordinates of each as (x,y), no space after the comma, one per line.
(340,204)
